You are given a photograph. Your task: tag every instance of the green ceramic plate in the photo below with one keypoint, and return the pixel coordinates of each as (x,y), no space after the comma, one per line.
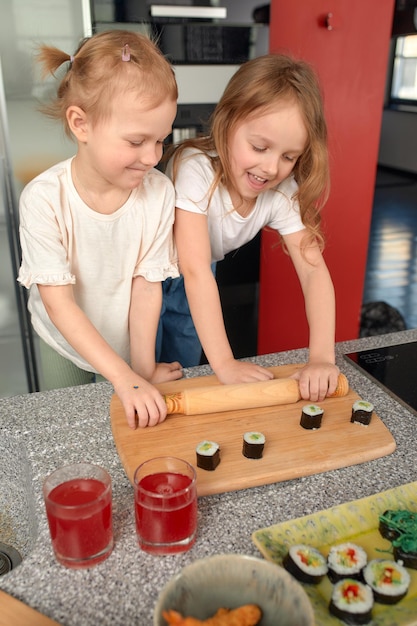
(355,521)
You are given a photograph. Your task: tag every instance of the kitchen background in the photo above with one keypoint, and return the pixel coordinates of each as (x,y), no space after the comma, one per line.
(29,143)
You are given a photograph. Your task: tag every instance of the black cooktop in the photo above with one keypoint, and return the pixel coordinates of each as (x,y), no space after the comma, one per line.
(394,368)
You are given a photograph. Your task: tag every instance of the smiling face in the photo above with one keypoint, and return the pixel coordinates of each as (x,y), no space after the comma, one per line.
(120,149)
(263,150)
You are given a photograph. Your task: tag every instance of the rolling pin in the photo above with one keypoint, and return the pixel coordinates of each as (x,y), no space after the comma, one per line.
(217,398)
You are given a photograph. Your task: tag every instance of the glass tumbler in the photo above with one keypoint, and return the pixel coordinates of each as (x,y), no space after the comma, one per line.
(165,505)
(78,502)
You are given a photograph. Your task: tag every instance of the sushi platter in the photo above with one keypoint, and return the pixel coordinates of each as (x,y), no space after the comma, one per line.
(290,451)
(356,522)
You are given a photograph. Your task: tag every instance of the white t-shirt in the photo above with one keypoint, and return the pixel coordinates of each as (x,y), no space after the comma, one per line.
(65,242)
(228,230)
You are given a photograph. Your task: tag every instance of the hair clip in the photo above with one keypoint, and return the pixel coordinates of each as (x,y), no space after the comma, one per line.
(126,52)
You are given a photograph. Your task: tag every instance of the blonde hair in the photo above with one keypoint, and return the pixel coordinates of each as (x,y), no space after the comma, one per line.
(254,88)
(97,72)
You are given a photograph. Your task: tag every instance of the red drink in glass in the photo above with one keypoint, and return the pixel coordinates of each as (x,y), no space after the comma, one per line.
(79,512)
(166,507)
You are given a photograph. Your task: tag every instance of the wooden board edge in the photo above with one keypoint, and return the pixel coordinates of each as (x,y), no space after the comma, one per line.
(16,613)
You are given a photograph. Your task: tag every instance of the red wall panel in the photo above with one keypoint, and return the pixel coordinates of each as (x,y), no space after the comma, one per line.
(351,61)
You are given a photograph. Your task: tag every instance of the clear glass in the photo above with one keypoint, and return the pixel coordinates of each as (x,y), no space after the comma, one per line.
(78,502)
(165,505)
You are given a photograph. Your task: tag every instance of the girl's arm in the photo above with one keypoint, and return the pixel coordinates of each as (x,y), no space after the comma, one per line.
(137,395)
(193,243)
(144,313)
(319,377)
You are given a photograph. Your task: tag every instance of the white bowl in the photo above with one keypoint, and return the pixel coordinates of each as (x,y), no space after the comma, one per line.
(231,580)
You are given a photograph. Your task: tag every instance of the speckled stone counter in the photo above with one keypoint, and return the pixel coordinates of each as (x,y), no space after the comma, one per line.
(70,425)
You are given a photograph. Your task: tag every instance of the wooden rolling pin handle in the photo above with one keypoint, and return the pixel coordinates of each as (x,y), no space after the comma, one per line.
(342,388)
(176,401)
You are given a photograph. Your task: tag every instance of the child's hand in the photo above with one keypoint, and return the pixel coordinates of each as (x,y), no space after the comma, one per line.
(142,402)
(165,372)
(317,380)
(234,371)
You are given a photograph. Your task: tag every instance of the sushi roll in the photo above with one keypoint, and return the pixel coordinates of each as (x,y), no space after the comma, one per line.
(362,412)
(306,563)
(253,445)
(396,522)
(346,560)
(405,550)
(388,580)
(208,455)
(311,416)
(390,524)
(352,601)
(400,527)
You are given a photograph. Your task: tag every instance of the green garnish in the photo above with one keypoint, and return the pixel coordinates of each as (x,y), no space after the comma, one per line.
(405,523)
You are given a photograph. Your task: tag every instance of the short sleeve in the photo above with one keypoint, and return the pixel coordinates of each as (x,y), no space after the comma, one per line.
(157,258)
(193,180)
(43,237)
(284,208)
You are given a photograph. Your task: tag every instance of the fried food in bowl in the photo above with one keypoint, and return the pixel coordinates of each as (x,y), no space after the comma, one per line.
(218,587)
(247,615)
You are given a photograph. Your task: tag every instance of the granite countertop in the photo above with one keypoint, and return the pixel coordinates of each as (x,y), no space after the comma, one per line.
(69,425)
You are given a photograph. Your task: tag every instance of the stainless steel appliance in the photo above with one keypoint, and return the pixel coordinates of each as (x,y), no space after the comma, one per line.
(28,144)
(18,363)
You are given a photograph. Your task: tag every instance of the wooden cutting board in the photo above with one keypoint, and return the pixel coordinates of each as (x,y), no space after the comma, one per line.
(290,450)
(15,613)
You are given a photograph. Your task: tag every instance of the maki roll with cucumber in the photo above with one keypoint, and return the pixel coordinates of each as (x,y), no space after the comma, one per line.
(208,455)
(253,445)
(362,412)
(346,560)
(388,580)
(311,416)
(305,563)
(352,601)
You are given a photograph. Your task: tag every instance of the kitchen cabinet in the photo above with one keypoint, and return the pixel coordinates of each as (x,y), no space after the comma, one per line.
(347,41)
